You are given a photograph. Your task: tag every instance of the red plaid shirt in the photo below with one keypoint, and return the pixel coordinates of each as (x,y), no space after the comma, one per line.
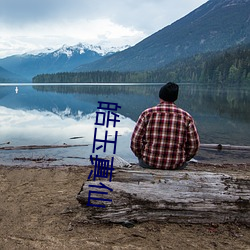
(165,136)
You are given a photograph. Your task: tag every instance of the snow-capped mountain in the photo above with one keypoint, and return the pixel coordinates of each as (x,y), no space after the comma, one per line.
(81,48)
(49,60)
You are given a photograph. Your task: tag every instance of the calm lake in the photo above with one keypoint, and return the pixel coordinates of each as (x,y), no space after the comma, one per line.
(56,114)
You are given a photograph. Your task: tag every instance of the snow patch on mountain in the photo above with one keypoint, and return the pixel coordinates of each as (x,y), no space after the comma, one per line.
(79,48)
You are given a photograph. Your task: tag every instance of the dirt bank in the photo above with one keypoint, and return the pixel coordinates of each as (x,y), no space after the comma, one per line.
(38,210)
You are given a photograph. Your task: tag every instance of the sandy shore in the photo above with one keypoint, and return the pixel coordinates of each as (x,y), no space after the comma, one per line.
(38,210)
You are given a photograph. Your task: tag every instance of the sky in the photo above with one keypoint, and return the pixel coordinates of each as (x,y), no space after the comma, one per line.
(32,25)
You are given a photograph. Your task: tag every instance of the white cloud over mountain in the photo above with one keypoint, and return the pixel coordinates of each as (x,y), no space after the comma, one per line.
(32,24)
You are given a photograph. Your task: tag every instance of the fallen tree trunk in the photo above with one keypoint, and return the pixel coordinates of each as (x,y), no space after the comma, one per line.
(169,196)
(224,147)
(29,147)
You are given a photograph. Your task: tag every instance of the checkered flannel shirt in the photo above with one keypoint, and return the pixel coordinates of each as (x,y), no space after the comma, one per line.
(165,136)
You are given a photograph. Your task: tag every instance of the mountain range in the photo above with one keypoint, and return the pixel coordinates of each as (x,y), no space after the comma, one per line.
(214,26)
(64,59)
(7,76)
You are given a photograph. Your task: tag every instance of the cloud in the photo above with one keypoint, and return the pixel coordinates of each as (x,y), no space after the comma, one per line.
(38,36)
(22,12)
(142,14)
(31,24)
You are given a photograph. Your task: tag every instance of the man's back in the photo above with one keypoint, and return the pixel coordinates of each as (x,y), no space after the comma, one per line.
(165,136)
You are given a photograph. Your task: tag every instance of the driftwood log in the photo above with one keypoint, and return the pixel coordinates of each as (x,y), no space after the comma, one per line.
(168,196)
(224,147)
(30,147)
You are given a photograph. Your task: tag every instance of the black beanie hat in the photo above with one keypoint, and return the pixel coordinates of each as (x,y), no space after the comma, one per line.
(169,92)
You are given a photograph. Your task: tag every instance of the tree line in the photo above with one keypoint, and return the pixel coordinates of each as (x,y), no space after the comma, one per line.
(231,66)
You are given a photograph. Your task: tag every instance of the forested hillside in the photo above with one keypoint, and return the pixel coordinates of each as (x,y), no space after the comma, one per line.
(229,66)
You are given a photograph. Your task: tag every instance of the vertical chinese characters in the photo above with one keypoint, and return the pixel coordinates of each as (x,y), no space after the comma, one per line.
(105,117)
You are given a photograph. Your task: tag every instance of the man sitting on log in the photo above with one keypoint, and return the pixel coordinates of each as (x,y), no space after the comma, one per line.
(165,136)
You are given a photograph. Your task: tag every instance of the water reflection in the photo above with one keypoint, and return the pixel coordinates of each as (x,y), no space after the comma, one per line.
(227,101)
(33,127)
(52,114)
